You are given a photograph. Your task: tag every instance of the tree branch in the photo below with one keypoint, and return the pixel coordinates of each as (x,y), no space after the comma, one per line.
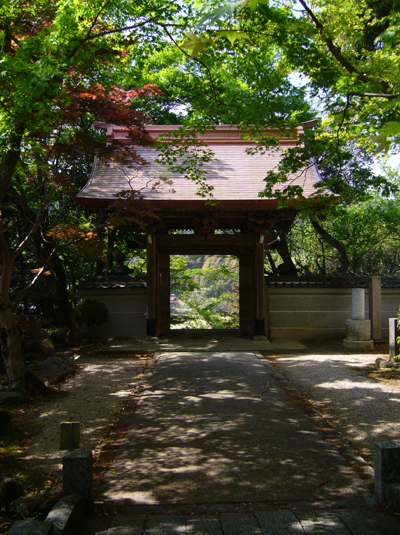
(43,269)
(36,225)
(337,53)
(343,258)
(389,96)
(33,282)
(90,37)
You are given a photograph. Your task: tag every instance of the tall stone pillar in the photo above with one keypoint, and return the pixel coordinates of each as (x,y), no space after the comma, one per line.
(151,286)
(358,329)
(375,308)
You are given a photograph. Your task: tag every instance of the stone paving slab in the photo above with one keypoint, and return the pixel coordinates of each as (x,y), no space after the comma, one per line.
(218,447)
(204,525)
(322,523)
(166,525)
(217,427)
(240,524)
(204,343)
(127,525)
(278,522)
(369,522)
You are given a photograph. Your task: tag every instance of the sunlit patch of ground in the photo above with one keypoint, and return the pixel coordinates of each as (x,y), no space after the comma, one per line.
(359,399)
(93,396)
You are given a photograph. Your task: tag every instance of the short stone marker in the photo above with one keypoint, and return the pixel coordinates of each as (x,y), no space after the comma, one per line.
(69,436)
(394,333)
(387,473)
(67,514)
(77,465)
(78,475)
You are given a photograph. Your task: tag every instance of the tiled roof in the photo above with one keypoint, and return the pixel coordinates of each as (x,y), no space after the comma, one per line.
(314,281)
(234,174)
(111,281)
(272,281)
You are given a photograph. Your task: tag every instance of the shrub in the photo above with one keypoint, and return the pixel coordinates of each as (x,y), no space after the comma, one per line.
(92,312)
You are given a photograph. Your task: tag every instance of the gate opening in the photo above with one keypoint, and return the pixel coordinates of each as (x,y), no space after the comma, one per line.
(204,292)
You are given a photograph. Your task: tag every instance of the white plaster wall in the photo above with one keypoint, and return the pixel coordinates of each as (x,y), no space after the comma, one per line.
(318,313)
(126,310)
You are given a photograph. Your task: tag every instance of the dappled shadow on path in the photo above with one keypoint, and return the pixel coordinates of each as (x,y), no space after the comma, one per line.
(365,409)
(217,427)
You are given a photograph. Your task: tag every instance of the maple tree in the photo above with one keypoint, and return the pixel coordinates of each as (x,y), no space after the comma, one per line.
(347,51)
(347,56)
(65,65)
(61,67)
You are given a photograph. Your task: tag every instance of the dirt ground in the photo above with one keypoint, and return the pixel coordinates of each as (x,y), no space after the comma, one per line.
(360,400)
(94,395)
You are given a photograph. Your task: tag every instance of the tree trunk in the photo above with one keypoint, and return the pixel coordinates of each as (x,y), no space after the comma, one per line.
(288,267)
(65,305)
(9,161)
(271,262)
(336,244)
(12,353)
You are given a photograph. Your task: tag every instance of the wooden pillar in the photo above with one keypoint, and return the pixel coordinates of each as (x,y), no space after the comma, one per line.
(151,286)
(110,248)
(259,297)
(163,293)
(246,293)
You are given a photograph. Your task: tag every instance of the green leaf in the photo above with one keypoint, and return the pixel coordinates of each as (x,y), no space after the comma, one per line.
(253,4)
(383,143)
(221,12)
(232,36)
(195,43)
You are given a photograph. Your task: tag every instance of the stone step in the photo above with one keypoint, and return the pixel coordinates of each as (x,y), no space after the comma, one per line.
(280,522)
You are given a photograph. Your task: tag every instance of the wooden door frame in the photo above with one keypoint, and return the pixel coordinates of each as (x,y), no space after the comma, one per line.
(240,245)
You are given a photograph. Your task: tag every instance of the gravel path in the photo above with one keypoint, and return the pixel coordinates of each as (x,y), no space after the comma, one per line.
(365,410)
(93,397)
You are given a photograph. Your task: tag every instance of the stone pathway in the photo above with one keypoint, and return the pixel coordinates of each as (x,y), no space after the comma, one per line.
(216,446)
(258,519)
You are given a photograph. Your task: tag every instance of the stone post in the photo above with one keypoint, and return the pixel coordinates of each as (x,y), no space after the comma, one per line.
(358,329)
(394,334)
(78,475)
(375,307)
(387,472)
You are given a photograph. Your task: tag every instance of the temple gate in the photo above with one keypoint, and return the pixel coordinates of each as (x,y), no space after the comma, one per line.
(237,221)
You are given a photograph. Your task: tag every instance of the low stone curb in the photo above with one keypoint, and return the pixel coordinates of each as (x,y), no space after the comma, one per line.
(31,527)
(63,519)
(67,513)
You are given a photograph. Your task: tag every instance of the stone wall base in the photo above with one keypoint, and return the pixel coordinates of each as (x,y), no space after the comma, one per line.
(358,346)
